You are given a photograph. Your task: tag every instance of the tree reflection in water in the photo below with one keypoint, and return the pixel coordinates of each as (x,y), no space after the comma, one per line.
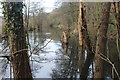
(67,66)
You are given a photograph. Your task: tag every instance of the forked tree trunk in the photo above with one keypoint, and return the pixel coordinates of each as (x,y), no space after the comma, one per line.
(101,41)
(84,40)
(17,39)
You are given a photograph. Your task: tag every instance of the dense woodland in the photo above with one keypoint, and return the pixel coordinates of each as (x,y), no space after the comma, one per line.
(89,33)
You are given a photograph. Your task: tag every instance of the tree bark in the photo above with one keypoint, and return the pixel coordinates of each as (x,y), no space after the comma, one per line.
(117,17)
(80,23)
(17,39)
(101,42)
(84,40)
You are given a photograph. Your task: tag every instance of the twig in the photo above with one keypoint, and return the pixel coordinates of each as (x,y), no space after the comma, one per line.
(3,49)
(37,46)
(108,60)
(42,47)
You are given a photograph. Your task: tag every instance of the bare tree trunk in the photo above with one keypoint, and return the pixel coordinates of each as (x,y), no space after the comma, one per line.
(80,37)
(101,41)
(84,40)
(17,38)
(117,17)
(64,40)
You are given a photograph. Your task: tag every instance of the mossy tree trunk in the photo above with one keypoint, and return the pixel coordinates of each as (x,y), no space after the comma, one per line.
(17,40)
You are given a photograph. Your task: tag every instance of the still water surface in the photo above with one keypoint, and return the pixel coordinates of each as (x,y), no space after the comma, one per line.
(48,60)
(44,62)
